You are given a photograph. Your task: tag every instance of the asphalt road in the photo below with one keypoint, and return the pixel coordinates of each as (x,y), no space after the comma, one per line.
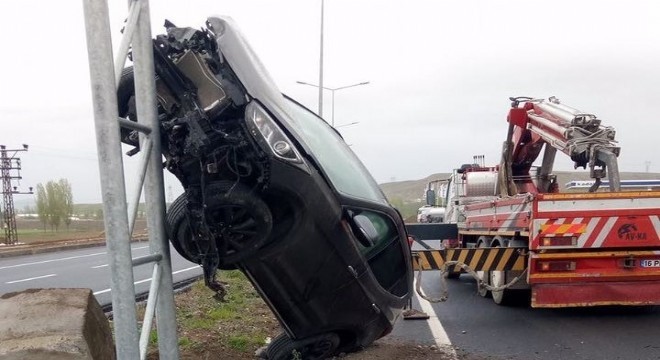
(468,322)
(476,325)
(82,268)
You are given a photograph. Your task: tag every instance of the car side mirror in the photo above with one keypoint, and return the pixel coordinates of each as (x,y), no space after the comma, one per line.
(430,197)
(364,230)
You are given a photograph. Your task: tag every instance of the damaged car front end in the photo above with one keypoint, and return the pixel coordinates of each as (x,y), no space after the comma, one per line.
(273,190)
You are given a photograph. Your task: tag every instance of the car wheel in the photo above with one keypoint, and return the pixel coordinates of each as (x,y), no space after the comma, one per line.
(241,221)
(312,348)
(179,232)
(126,103)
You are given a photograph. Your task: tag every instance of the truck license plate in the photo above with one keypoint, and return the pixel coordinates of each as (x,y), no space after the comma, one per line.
(650,263)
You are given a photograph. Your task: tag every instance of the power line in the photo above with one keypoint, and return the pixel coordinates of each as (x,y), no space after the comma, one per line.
(10,170)
(63,153)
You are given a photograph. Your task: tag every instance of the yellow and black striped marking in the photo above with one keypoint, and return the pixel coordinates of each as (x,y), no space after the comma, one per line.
(478,259)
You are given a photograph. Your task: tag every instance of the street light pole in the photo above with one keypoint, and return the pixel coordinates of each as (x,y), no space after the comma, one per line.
(321,66)
(321,88)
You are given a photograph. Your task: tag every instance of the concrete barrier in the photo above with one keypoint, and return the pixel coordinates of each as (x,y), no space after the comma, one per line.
(54,324)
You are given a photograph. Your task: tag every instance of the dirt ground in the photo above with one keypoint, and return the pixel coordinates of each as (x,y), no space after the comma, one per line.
(388,349)
(239,327)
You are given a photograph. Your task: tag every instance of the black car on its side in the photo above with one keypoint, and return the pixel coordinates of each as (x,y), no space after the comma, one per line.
(273,190)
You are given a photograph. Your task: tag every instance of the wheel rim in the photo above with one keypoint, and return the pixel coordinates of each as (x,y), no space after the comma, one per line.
(318,349)
(498,278)
(192,251)
(236,226)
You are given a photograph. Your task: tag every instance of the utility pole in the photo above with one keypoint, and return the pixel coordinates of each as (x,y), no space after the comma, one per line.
(8,165)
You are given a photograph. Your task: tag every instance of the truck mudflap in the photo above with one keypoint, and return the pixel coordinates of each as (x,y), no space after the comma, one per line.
(595,278)
(596,294)
(477,259)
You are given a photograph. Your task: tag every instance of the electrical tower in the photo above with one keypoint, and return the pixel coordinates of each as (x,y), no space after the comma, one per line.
(10,165)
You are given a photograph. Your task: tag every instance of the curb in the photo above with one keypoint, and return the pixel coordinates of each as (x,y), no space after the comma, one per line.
(36,249)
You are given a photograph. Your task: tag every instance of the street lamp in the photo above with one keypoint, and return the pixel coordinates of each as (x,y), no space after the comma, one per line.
(333,94)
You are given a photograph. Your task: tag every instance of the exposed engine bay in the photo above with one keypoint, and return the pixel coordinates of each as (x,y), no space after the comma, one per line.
(220,220)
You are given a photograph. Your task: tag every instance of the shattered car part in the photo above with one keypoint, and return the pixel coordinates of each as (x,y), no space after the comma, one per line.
(273,190)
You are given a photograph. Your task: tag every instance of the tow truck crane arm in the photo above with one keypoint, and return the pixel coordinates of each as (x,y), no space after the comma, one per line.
(537,122)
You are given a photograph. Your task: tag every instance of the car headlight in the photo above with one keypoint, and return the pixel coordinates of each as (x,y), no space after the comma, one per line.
(262,125)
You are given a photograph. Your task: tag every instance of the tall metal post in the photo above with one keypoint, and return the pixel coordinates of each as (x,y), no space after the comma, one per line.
(154,189)
(321,66)
(119,214)
(9,163)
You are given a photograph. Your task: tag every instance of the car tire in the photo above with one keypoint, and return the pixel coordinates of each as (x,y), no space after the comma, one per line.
(178,230)
(126,103)
(312,348)
(180,233)
(243,221)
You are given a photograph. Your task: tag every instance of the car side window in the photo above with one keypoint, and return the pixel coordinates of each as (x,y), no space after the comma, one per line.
(384,228)
(386,256)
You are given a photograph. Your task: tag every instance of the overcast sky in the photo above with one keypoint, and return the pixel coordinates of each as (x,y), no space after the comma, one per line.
(440,74)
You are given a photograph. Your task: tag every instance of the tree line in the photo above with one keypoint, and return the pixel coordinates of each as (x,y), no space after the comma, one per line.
(55,204)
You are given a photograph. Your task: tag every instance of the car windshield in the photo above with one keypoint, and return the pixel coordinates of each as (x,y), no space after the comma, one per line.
(344,170)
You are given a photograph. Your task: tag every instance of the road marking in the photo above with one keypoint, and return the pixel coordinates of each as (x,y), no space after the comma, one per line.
(51,260)
(149,279)
(61,259)
(32,278)
(99,266)
(438,332)
(186,269)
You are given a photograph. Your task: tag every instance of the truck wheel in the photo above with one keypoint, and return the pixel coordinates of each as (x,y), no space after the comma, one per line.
(312,348)
(502,297)
(483,242)
(454,274)
(499,278)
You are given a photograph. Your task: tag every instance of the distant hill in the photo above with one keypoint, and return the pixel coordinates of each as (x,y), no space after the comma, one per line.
(410,190)
(407,195)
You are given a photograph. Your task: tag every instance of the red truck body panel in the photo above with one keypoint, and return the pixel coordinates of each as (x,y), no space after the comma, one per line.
(584,249)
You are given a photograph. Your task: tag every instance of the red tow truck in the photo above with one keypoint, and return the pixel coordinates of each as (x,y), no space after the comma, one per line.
(567,249)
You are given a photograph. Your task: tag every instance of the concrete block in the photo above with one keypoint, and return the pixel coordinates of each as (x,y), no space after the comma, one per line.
(54,324)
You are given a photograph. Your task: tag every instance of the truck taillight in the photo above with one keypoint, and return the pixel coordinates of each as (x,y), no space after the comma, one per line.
(559,241)
(556,265)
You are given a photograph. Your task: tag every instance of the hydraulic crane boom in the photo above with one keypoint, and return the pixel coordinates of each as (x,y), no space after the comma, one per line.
(537,122)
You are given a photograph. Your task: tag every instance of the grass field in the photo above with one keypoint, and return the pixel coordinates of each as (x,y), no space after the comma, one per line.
(209,329)
(31,231)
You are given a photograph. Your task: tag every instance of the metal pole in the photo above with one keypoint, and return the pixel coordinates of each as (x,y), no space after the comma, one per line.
(145,89)
(333,108)
(102,76)
(321,88)
(321,67)
(149,311)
